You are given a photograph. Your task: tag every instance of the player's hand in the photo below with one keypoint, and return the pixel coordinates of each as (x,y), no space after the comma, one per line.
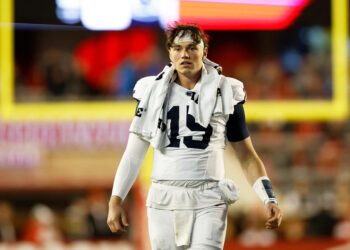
(274,216)
(116,220)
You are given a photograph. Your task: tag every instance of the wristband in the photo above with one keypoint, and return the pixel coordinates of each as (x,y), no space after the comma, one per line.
(263,189)
(272,201)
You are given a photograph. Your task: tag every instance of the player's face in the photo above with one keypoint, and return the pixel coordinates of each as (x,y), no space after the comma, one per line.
(187,57)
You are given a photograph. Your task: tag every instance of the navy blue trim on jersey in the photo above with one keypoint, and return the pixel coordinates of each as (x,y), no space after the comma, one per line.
(137,110)
(160,76)
(236,125)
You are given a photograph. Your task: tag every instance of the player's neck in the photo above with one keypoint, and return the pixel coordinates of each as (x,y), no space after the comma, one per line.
(188,81)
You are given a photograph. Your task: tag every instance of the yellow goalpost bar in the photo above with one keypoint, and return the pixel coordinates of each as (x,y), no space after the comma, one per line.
(288,110)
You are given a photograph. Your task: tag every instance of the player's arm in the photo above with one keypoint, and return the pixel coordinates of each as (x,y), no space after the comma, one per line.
(255,172)
(253,167)
(125,177)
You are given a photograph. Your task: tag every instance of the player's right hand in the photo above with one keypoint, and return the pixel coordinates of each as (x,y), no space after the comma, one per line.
(274,216)
(116,220)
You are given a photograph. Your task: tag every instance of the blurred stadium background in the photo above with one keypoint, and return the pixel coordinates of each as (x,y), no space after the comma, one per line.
(67,70)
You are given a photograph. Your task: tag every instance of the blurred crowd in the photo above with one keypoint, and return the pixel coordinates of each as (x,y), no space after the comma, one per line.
(308,163)
(102,66)
(106,65)
(46,224)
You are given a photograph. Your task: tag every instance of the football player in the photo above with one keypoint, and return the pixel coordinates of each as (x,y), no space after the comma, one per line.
(186,113)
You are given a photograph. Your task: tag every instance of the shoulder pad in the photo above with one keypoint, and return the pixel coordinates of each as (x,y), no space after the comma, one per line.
(239,94)
(141,86)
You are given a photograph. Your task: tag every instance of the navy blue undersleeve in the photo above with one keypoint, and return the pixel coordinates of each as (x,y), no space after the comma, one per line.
(236,125)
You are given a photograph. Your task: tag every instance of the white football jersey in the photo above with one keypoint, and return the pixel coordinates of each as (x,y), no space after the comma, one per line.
(195,152)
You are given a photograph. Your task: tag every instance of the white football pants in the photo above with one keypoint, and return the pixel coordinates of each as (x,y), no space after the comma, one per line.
(208,231)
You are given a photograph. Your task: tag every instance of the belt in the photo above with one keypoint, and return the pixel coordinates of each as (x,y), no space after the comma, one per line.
(202,185)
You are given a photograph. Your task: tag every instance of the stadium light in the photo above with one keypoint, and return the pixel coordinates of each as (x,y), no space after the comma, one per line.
(209,14)
(106,14)
(68,11)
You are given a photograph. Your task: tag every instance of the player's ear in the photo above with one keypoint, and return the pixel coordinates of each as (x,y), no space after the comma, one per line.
(205,53)
(170,55)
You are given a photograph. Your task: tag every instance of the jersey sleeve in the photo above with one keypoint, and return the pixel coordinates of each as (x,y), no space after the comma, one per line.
(236,126)
(239,94)
(141,86)
(129,165)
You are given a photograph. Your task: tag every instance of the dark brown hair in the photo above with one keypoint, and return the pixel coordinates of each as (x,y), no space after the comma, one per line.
(196,33)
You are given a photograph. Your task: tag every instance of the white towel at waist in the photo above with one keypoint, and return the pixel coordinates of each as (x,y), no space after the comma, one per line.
(162,196)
